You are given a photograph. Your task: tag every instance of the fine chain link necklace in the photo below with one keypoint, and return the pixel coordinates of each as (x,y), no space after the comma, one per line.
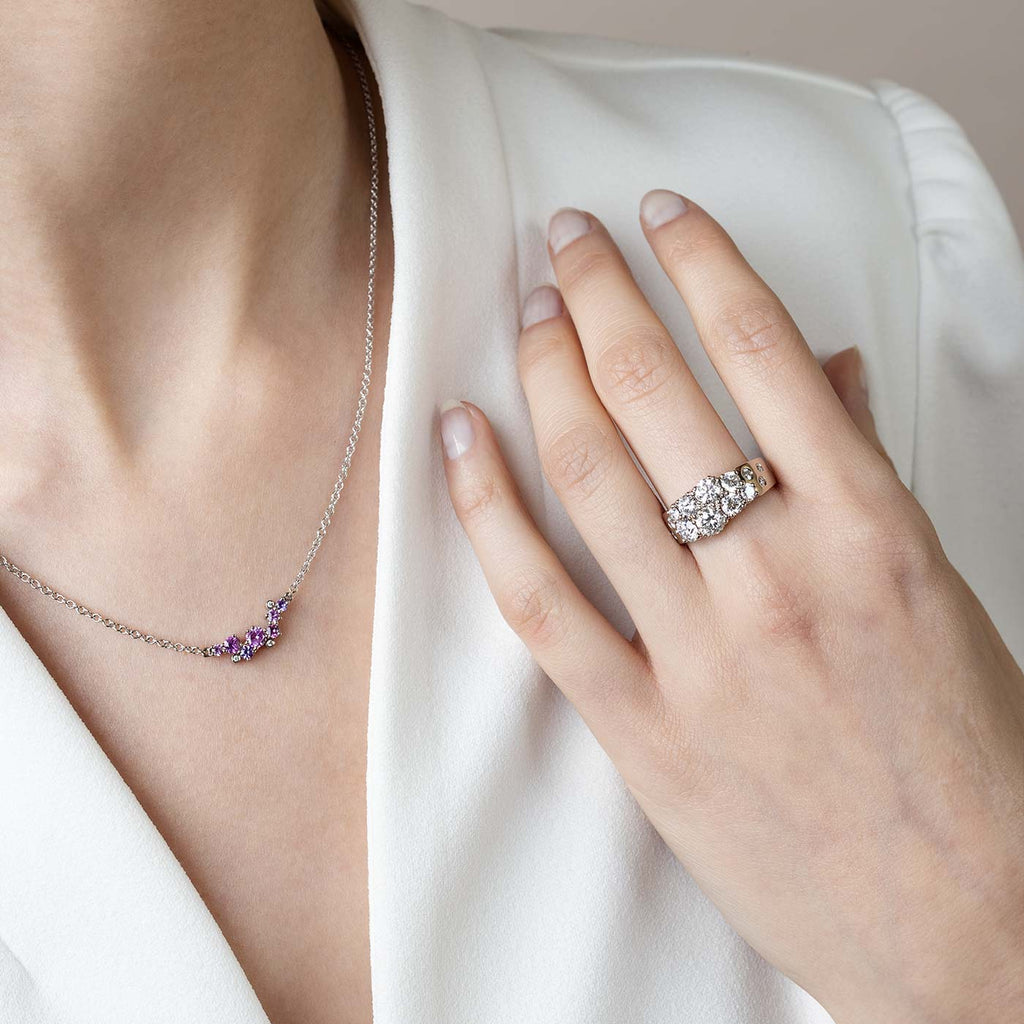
(257,638)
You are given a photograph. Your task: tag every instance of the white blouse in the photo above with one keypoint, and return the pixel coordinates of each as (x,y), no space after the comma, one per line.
(512,876)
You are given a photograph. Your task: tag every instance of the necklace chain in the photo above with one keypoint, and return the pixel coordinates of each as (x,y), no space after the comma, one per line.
(276,606)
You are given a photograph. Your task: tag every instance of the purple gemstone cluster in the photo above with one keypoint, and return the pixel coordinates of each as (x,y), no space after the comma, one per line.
(256,636)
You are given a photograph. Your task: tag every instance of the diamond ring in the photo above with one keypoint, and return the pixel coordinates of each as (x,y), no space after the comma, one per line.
(704,510)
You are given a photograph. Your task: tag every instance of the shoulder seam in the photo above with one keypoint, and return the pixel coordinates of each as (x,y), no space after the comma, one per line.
(662,56)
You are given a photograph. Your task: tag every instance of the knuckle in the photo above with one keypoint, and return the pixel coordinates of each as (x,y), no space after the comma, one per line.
(784,613)
(577,462)
(635,368)
(533,604)
(476,498)
(594,263)
(688,246)
(536,348)
(757,331)
(894,549)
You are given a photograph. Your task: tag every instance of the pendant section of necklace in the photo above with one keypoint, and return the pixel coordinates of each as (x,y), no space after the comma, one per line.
(256,637)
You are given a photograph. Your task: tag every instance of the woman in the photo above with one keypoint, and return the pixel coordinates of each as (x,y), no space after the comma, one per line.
(803,801)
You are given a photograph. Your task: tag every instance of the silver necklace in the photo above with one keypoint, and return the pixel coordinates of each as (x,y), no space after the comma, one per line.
(258,637)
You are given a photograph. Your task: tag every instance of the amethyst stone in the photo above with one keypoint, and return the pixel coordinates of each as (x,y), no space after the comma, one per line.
(256,637)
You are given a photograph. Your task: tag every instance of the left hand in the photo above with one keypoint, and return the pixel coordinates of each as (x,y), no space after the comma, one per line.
(816,713)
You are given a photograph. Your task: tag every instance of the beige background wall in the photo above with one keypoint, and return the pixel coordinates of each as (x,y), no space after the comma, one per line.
(965,54)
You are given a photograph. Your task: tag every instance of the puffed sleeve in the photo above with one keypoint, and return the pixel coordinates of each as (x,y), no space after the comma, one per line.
(968,467)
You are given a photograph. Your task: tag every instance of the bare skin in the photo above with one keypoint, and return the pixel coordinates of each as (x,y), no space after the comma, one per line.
(182,305)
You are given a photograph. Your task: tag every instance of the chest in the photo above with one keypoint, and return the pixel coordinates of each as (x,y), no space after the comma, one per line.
(253,773)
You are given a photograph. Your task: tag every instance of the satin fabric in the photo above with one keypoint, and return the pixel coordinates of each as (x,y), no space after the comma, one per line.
(512,876)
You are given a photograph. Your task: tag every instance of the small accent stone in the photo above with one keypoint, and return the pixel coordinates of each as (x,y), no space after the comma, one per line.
(749,491)
(761,480)
(746,472)
(270,643)
(236,657)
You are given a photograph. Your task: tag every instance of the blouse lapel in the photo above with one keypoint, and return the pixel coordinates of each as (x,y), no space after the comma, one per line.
(99,921)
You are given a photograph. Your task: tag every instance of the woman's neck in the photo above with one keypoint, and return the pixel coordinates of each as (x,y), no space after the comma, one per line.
(183,209)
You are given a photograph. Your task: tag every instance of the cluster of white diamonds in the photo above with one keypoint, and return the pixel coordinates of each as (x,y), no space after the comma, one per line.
(705,509)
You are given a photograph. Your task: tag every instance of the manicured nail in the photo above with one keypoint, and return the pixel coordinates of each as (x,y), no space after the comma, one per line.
(660,205)
(565,226)
(862,376)
(456,428)
(542,303)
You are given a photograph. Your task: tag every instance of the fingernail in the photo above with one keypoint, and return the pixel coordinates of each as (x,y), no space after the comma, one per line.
(542,303)
(862,377)
(565,226)
(456,428)
(660,205)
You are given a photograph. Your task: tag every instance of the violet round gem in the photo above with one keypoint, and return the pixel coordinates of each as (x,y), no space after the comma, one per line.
(274,632)
(256,636)
(247,651)
(233,645)
(273,614)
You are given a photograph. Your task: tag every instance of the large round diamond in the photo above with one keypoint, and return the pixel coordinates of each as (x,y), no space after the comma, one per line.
(687,530)
(733,503)
(708,489)
(710,520)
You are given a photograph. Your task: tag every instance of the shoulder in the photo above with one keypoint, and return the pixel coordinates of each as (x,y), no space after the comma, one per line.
(756,122)
(584,53)
(668,77)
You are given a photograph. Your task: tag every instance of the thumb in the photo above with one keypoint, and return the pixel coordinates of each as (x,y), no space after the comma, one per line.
(845,371)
